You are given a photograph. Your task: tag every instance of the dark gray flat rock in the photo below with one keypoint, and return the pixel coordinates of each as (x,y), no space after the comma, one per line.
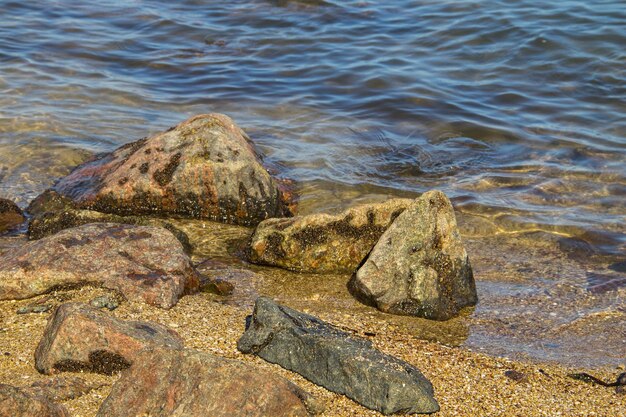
(336,360)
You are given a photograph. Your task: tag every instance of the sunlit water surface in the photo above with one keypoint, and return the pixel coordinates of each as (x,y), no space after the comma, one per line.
(516,109)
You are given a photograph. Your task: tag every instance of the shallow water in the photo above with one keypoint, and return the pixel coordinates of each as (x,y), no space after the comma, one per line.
(514,109)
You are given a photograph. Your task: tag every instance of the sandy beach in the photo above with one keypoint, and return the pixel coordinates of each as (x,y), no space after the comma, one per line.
(466,383)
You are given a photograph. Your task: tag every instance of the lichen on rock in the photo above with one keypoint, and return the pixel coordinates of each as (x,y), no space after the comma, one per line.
(419,266)
(205,167)
(322,242)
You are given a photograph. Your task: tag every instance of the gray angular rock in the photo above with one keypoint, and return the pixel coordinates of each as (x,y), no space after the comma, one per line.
(143,263)
(17,402)
(336,360)
(321,242)
(419,266)
(205,167)
(81,337)
(164,383)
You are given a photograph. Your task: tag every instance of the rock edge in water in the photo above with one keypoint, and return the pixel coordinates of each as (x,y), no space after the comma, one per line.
(336,360)
(10,215)
(321,242)
(419,266)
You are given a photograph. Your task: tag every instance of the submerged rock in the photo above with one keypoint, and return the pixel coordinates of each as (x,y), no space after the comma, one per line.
(79,337)
(34,308)
(419,266)
(143,263)
(10,215)
(206,167)
(189,383)
(335,360)
(321,242)
(17,402)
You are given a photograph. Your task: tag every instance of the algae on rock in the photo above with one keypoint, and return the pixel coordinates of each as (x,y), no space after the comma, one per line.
(419,266)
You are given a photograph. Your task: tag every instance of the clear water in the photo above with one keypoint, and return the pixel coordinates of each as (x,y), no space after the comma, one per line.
(516,109)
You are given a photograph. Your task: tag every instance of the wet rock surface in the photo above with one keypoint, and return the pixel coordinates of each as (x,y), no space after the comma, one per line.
(321,242)
(17,402)
(79,337)
(419,266)
(205,167)
(336,360)
(190,383)
(10,215)
(233,284)
(143,263)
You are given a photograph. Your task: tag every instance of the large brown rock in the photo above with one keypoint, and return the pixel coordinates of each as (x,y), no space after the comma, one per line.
(143,263)
(79,337)
(321,242)
(16,402)
(10,215)
(419,266)
(206,167)
(189,383)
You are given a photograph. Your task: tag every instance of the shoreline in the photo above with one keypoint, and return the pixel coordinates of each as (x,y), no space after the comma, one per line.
(466,383)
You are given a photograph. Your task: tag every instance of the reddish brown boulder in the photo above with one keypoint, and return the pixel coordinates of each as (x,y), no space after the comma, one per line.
(16,402)
(189,383)
(143,263)
(10,215)
(80,337)
(321,242)
(206,167)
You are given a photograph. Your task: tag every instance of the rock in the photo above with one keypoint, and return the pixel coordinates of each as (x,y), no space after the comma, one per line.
(105,301)
(60,388)
(10,215)
(52,213)
(516,376)
(143,263)
(321,242)
(79,337)
(218,286)
(16,402)
(206,167)
(40,308)
(189,383)
(419,266)
(236,286)
(335,360)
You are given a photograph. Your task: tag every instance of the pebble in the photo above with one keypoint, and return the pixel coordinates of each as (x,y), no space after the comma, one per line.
(516,375)
(105,301)
(34,309)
